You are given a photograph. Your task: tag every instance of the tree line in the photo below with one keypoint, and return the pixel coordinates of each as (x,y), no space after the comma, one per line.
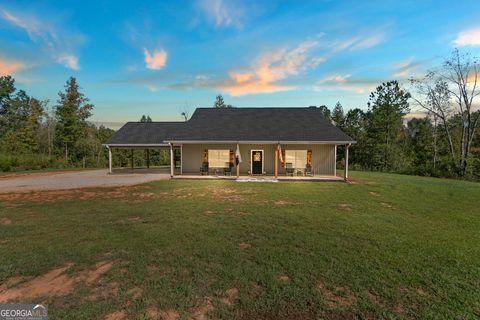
(444,143)
(34,136)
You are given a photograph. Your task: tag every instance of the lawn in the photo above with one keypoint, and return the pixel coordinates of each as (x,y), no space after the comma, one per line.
(385,247)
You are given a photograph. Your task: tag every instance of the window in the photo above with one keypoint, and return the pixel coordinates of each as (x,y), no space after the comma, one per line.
(297,158)
(218,158)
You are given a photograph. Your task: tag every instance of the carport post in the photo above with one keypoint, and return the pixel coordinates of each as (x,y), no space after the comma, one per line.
(345,172)
(171,160)
(131,156)
(148,158)
(109,159)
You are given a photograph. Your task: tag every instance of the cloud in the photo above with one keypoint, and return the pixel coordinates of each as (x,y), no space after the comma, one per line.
(344,82)
(359,42)
(10,67)
(69,61)
(271,68)
(368,42)
(222,13)
(155,61)
(56,41)
(469,37)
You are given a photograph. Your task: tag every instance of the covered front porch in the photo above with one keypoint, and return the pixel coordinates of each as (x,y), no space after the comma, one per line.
(243,162)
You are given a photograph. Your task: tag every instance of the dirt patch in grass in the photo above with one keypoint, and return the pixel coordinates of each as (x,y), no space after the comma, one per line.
(229,296)
(103,292)
(345,206)
(283,203)
(244,245)
(201,311)
(117,315)
(135,292)
(5,221)
(283,278)
(340,297)
(154,314)
(128,193)
(56,282)
(387,205)
(374,193)
(225,193)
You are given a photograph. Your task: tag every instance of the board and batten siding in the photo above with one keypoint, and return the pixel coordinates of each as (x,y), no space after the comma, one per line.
(323,156)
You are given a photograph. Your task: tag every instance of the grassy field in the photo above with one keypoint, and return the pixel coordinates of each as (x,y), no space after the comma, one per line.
(386,247)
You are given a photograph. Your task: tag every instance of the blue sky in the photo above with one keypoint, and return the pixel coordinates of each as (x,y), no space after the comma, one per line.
(159,57)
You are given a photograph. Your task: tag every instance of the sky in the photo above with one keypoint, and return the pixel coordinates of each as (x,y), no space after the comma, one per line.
(161,58)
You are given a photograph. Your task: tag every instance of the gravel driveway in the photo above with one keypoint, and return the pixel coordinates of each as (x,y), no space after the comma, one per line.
(74,180)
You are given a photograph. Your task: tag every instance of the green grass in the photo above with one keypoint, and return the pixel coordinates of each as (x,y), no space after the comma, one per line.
(389,247)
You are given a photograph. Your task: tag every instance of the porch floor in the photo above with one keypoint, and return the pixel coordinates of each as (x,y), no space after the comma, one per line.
(190,176)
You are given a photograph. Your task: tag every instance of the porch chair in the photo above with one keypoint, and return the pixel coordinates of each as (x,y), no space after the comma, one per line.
(289,169)
(204,169)
(227,171)
(309,170)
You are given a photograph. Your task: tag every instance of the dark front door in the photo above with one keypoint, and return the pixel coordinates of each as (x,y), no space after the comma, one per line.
(257,162)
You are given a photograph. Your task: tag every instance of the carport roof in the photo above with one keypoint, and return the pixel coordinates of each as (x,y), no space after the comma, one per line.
(235,125)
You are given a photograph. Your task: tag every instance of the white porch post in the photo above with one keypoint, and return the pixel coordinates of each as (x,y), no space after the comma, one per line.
(181,159)
(345,173)
(109,159)
(276,162)
(172,161)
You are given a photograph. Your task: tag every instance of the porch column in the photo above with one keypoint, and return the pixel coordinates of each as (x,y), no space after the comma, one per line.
(172,161)
(148,158)
(276,162)
(131,158)
(109,160)
(181,159)
(345,172)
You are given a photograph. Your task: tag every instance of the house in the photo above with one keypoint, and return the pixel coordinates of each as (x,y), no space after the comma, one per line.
(269,141)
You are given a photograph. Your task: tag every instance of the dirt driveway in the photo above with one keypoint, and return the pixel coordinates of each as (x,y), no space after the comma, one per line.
(74,180)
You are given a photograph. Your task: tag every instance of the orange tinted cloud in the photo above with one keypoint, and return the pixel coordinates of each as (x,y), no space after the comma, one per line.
(271,68)
(10,67)
(155,61)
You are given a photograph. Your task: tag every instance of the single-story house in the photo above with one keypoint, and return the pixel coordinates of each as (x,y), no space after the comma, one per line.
(242,141)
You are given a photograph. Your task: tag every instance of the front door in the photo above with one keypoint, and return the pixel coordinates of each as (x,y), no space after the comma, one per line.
(257,161)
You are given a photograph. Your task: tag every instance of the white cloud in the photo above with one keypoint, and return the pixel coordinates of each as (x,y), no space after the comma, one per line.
(343,82)
(155,61)
(222,13)
(69,61)
(469,37)
(58,43)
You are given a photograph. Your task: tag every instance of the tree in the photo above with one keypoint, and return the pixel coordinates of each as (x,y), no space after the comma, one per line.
(338,116)
(219,103)
(388,105)
(449,92)
(420,133)
(326,112)
(72,112)
(145,119)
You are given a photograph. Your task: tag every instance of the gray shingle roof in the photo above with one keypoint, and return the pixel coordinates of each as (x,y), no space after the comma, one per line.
(236,124)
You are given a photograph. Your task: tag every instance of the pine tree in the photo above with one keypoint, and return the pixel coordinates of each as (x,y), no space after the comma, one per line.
(72,113)
(219,103)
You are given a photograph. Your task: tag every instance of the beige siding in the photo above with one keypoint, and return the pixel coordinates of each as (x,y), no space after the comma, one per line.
(323,156)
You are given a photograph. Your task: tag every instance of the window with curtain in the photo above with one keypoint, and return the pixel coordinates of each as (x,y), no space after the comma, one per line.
(218,158)
(297,158)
